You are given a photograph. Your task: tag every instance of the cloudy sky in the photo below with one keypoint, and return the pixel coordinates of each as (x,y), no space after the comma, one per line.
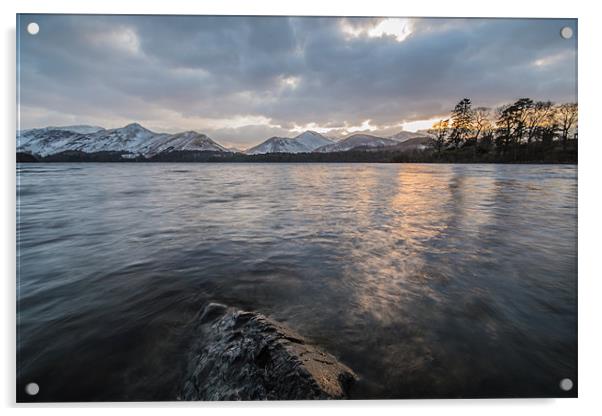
(243,79)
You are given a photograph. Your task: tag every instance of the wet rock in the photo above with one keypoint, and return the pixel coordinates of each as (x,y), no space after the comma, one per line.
(246,356)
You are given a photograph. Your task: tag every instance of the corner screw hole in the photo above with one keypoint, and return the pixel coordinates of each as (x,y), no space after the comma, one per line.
(566,32)
(566,384)
(33,28)
(32,389)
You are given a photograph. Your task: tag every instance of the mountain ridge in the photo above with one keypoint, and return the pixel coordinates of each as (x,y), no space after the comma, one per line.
(132,138)
(306,142)
(357,140)
(135,140)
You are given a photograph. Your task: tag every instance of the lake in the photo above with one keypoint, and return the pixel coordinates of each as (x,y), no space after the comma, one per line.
(434,280)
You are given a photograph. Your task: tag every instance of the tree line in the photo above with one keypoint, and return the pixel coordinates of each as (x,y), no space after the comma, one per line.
(510,131)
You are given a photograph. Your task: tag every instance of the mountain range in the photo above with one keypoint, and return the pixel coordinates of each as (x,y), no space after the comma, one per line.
(304,143)
(134,140)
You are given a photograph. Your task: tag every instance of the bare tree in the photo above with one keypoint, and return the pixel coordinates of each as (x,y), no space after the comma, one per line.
(567,115)
(481,121)
(440,130)
(536,117)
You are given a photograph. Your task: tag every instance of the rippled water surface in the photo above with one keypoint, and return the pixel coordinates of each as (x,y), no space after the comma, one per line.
(427,280)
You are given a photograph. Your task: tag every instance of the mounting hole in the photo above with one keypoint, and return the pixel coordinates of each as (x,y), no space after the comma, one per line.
(33,28)
(566,32)
(32,389)
(566,384)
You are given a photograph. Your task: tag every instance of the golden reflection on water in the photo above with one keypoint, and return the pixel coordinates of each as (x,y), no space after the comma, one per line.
(420,204)
(392,226)
(387,252)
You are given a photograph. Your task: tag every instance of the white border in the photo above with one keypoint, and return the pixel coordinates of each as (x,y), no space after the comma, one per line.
(590,209)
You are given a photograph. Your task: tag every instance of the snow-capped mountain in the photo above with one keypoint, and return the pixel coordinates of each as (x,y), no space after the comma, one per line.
(45,142)
(403,135)
(186,141)
(277,145)
(303,143)
(82,129)
(357,141)
(312,140)
(132,138)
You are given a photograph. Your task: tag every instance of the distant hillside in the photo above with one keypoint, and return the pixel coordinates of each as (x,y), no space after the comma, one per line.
(133,139)
(305,142)
(357,141)
(403,135)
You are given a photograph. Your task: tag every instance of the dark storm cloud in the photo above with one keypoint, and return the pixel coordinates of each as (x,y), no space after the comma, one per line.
(222,75)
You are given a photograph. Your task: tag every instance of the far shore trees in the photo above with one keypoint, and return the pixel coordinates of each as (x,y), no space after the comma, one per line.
(440,131)
(538,115)
(481,123)
(567,120)
(462,122)
(508,128)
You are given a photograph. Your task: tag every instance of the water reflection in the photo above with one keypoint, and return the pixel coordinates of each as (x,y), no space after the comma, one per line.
(428,280)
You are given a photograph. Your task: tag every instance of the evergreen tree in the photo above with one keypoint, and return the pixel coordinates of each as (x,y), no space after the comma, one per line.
(461,125)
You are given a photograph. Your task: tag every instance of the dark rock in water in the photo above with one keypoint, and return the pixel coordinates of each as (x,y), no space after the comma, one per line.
(246,356)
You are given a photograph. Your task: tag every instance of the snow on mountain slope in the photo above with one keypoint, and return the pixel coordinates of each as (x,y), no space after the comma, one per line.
(303,143)
(403,135)
(138,140)
(132,138)
(312,140)
(186,141)
(82,129)
(277,145)
(45,142)
(357,141)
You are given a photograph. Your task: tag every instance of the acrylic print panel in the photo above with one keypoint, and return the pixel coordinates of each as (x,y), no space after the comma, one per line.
(269,208)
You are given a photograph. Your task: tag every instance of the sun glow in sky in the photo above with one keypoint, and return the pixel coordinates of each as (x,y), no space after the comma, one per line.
(420,124)
(397,27)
